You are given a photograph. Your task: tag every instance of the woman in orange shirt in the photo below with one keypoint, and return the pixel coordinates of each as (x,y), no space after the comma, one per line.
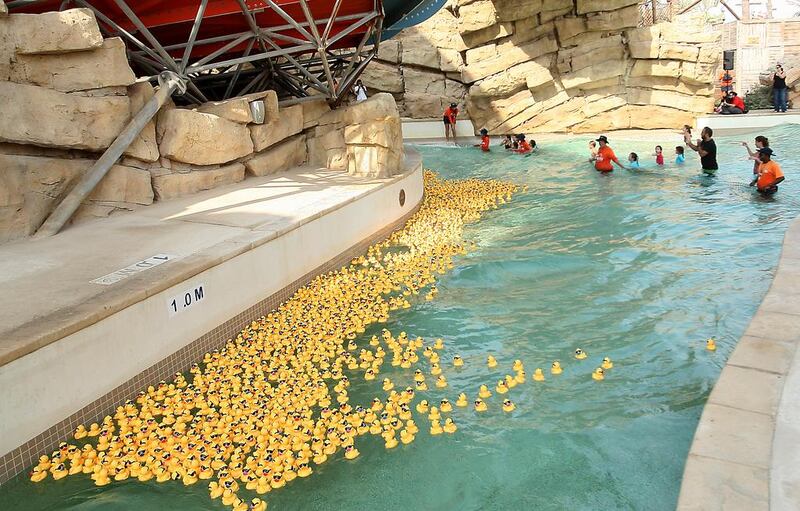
(605,156)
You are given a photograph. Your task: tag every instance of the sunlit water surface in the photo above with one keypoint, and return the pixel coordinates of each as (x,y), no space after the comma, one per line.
(641,267)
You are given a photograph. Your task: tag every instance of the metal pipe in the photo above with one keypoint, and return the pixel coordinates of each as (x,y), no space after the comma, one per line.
(168,83)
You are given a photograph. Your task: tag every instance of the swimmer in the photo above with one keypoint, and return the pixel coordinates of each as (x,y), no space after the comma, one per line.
(484,145)
(592,151)
(680,157)
(633,160)
(769,173)
(507,143)
(659,154)
(761,142)
(605,156)
(523,147)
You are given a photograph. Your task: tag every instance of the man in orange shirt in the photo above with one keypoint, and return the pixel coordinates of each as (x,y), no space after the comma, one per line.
(769,173)
(605,156)
(449,120)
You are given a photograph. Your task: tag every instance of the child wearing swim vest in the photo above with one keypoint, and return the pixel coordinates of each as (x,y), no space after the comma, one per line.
(659,154)
(680,157)
(484,145)
(633,160)
(523,146)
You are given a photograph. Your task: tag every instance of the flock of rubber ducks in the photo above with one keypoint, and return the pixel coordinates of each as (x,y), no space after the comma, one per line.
(273,403)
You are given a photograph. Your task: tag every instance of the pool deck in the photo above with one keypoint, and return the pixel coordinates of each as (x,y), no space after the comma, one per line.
(753,121)
(746,449)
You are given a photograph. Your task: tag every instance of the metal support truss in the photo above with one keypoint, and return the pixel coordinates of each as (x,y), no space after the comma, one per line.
(301,57)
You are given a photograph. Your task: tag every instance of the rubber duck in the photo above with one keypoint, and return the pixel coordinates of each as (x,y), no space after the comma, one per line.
(441,382)
(144,475)
(38,474)
(390,441)
(304,470)
(556,368)
(80,432)
(511,382)
(94,430)
(422,386)
(508,406)
(350,452)
(449,426)
(518,366)
(436,370)
(263,485)
(607,364)
(520,377)
(190,478)
(257,505)
(483,392)
(538,375)
(711,345)
(422,406)
(406,437)
(491,362)
(228,498)
(411,426)
(436,428)
(580,354)
(58,471)
(215,489)
(458,361)
(434,415)
(462,400)
(480,405)
(501,388)
(438,344)
(598,374)
(369,375)
(445,406)
(387,384)
(418,376)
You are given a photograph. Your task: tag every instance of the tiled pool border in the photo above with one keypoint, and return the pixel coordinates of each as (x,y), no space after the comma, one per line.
(746,449)
(24,457)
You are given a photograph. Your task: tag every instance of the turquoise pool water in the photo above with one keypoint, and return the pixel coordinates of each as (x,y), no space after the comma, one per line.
(641,267)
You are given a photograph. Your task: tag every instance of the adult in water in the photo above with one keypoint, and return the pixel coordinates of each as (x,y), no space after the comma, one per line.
(769,173)
(449,120)
(707,149)
(605,156)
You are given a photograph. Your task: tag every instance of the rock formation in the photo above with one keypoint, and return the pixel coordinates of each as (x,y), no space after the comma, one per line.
(550,66)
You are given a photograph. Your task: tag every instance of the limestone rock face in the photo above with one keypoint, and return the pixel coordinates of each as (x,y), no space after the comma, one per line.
(201,139)
(559,65)
(43,117)
(236,110)
(105,66)
(51,32)
(288,123)
(283,156)
(32,186)
(144,147)
(170,186)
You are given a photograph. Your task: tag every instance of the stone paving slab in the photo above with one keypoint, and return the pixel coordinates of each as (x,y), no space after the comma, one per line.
(735,435)
(716,485)
(763,354)
(748,389)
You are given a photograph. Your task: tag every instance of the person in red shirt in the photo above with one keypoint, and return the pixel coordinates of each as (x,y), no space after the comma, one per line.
(605,156)
(484,145)
(738,102)
(523,146)
(449,120)
(769,173)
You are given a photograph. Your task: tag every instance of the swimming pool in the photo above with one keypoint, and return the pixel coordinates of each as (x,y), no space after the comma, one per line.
(641,267)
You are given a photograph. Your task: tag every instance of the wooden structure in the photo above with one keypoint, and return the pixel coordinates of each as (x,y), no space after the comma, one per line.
(759,45)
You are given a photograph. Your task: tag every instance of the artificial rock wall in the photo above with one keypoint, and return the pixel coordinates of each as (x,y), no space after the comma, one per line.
(550,66)
(66,93)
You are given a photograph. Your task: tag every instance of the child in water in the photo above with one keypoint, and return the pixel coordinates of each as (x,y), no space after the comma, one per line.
(592,150)
(507,142)
(680,157)
(523,147)
(633,159)
(484,145)
(687,133)
(659,154)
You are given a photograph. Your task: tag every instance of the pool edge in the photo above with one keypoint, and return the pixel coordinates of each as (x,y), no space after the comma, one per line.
(745,449)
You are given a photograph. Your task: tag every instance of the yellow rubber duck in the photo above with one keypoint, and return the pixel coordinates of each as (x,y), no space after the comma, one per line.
(190,477)
(438,344)
(480,405)
(538,375)
(369,375)
(484,392)
(406,437)
(350,452)
(511,382)
(607,363)
(80,432)
(711,345)
(434,415)
(390,441)
(418,376)
(422,386)
(491,362)
(263,486)
(441,382)
(449,426)
(58,471)
(38,474)
(436,428)
(458,361)
(387,384)
(445,406)
(422,406)
(462,400)
(598,374)
(580,354)
(508,406)
(520,377)
(436,370)
(228,498)
(556,368)
(501,388)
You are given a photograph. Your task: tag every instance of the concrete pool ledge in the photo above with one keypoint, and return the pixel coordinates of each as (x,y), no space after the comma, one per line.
(746,449)
(72,349)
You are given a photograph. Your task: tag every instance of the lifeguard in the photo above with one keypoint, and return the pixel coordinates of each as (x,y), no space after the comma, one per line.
(449,120)
(605,156)
(769,173)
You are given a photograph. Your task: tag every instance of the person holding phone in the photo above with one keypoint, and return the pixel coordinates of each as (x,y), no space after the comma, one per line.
(779,90)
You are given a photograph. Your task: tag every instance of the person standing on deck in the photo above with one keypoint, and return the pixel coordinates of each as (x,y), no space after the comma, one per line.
(449,120)
(605,156)
(779,90)
(707,149)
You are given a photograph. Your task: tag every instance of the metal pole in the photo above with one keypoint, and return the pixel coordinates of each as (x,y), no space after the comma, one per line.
(168,83)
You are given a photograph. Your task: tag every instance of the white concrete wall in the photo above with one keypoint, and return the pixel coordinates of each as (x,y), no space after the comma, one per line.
(48,385)
(420,129)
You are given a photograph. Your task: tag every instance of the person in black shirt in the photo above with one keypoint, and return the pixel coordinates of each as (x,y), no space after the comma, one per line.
(779,90)
(707,149)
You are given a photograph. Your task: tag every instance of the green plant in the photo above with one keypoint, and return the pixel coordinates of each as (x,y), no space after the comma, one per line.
(759,97)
